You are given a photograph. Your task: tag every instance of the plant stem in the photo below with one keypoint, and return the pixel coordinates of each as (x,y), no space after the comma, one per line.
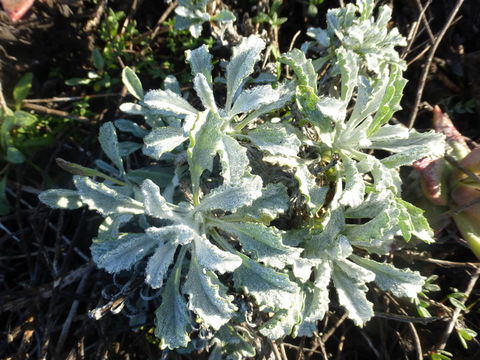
(457,311)
(423,78)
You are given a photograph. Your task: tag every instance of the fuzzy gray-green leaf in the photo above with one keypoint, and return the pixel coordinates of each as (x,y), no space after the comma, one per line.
(200,62)
(104,199)
(167,102)
(109,143)
(109,229)
(284,321)
(354,191)
(253,99)
(244,57)
(272,202)
(159,263)
(121,253)
(391,99)
(213,258)
(302,67)
(351,289)
(204,144)
(348,62)
(162,140)
(413,222)
(204,92)
(264,243)
(234,160)
(231,197)
(417,146)
(370,96)
(172,322)
(208,296)
(269,288)
(154,202)
(316,299)
(130,127)
(61,199)
(401,282)
(276,139)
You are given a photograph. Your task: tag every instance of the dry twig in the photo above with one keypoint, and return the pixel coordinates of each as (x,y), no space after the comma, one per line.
(413,32)
(48,111)
(457,311)
(425,21)
(162,18)
(426,69)
(413,330)
(69,98)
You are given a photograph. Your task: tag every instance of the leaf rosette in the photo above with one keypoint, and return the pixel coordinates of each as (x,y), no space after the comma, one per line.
(207,227)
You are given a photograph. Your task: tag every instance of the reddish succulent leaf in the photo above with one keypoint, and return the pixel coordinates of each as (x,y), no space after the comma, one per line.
(472,161)
(464,195)
(443,124)
(432,178)
(15,9)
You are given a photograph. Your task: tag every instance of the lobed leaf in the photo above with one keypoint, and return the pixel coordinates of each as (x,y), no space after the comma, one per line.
(200,62)
(244,57)
(401,282)
(264,243)
(316,299)
(231,197)
(234,160)
(204,144)
(253,99)
(213,258)
(204,92)
(104,199)
(275,139)
(354,191)
(272,202)
(172,322)
(269,288)
(348,63)
(162,140)
(349,280)
(284,94)
(370,95)
(121,253)
(302,67)
(284,321)
(314,195)
(178,234)
(166,102)
(391,100)
(417,146)
(159,263)
(413,222)
(208,296)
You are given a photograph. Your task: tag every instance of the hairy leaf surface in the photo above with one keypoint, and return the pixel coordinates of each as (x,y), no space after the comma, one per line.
(208,296)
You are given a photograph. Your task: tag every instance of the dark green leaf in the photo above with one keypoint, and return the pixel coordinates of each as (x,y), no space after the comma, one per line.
(21,90)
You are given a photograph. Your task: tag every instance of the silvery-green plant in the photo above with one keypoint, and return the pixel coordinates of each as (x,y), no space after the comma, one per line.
(192,14)
(202,220)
